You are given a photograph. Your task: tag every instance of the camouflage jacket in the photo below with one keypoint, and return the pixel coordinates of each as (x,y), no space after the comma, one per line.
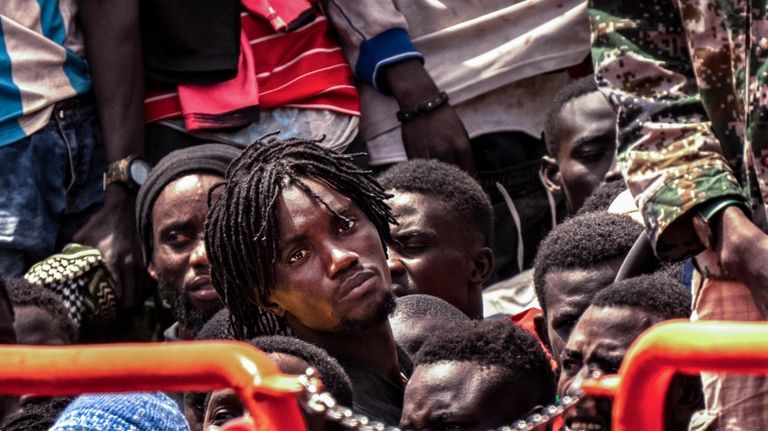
(689,78)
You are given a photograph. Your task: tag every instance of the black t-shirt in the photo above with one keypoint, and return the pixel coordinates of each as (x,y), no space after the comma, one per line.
(376,397)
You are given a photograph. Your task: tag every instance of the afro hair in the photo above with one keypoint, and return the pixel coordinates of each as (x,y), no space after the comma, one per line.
(25,294)
(493,342)
(329,370)
(459,191)
(552,128)
(426,306)
(582,242)
(602,198)
(218,327)
(37,415)
(657,294)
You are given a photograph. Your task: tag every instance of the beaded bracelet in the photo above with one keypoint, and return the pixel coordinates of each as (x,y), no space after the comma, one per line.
(426,107)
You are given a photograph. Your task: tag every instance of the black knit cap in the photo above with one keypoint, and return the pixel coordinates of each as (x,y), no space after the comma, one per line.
(206,158)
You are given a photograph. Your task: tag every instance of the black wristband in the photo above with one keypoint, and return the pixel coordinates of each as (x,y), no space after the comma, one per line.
(426,107)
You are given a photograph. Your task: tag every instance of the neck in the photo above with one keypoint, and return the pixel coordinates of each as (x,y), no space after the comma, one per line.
(373,348)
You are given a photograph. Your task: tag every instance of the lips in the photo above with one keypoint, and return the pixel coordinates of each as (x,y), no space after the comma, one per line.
(354,281)
(201,289)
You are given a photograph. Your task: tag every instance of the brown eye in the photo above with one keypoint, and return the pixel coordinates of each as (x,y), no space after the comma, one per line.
(345,226)
(297,255)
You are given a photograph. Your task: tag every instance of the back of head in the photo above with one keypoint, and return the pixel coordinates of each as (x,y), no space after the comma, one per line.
(199,159)
(122,412)
(416,317)
(420,306)
(583,242)
(602,198)
(656,294)
(38,415)
(218,327)
(328,369)
(552,131)
(449,184)
(494,342)
(241,227)
(25,294)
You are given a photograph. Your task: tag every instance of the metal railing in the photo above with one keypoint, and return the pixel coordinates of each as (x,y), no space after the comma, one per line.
(267,393)
(677,347)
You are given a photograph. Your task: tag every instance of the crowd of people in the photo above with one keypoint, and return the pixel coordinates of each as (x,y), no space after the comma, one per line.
(454,212)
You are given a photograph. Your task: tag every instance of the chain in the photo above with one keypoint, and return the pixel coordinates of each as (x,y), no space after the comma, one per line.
(323,403)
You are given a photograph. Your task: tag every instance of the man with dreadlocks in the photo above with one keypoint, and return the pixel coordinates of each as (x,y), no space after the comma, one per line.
(300,232)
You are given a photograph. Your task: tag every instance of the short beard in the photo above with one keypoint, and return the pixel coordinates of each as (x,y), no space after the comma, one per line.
(182,309)
(377,317)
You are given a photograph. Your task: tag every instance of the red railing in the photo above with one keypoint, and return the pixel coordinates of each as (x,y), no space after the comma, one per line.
(268,394)
(677,347)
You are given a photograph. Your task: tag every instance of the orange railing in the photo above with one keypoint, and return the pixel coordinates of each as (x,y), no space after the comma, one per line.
(677,347)
(268,394)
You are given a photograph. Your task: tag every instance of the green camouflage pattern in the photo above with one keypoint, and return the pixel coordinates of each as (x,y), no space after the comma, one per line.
(689,80)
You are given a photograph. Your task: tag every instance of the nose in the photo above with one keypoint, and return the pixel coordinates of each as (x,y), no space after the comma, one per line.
(199,257)
(395,264)
(613,173)
(340,260)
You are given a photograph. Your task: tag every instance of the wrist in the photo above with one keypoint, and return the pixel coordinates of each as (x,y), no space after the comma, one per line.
(118,192)
(410,84)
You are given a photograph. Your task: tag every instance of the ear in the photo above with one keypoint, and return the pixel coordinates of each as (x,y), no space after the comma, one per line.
(540,325)
(549,173)
(482,266)
(273,306)
(152,270)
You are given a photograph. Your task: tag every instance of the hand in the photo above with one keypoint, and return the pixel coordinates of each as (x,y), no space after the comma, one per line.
(440,135)
(743,251)
(113,231)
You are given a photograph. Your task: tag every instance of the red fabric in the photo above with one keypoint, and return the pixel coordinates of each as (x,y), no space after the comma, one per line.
(279,13)
(525,320)
(304,68)
(218,105)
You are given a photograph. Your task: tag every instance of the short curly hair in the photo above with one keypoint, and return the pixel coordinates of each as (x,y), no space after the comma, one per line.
(331,373)
(218,327)
(420,306)
(457,189)
(582,242)
(25,294)
(493,342)
(552,128)
(602,197)
(656,293)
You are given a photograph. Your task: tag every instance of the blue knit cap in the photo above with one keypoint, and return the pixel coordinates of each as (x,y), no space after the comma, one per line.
(121,412)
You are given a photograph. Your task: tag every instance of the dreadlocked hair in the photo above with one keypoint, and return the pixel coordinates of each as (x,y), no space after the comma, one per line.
(241,229)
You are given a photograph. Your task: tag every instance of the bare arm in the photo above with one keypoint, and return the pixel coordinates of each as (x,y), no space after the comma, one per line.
(113,47)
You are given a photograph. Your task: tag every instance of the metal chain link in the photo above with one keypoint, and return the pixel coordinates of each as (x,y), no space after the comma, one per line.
(324,404)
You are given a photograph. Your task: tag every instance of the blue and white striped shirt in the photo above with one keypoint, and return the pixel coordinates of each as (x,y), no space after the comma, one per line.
(41,63)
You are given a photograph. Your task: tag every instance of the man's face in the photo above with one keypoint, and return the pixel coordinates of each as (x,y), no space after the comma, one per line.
(225,405)
(462,395)
(433,252)
(568,292)
(587,149)
(179,260)
(598,344)
(331,272)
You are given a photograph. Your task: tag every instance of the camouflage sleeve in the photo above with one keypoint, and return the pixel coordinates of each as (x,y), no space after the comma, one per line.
(667,151)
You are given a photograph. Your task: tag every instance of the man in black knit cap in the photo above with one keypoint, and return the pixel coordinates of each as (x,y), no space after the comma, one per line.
(170,216)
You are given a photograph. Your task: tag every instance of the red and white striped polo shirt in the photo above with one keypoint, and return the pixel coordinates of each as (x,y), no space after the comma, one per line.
(304,69)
